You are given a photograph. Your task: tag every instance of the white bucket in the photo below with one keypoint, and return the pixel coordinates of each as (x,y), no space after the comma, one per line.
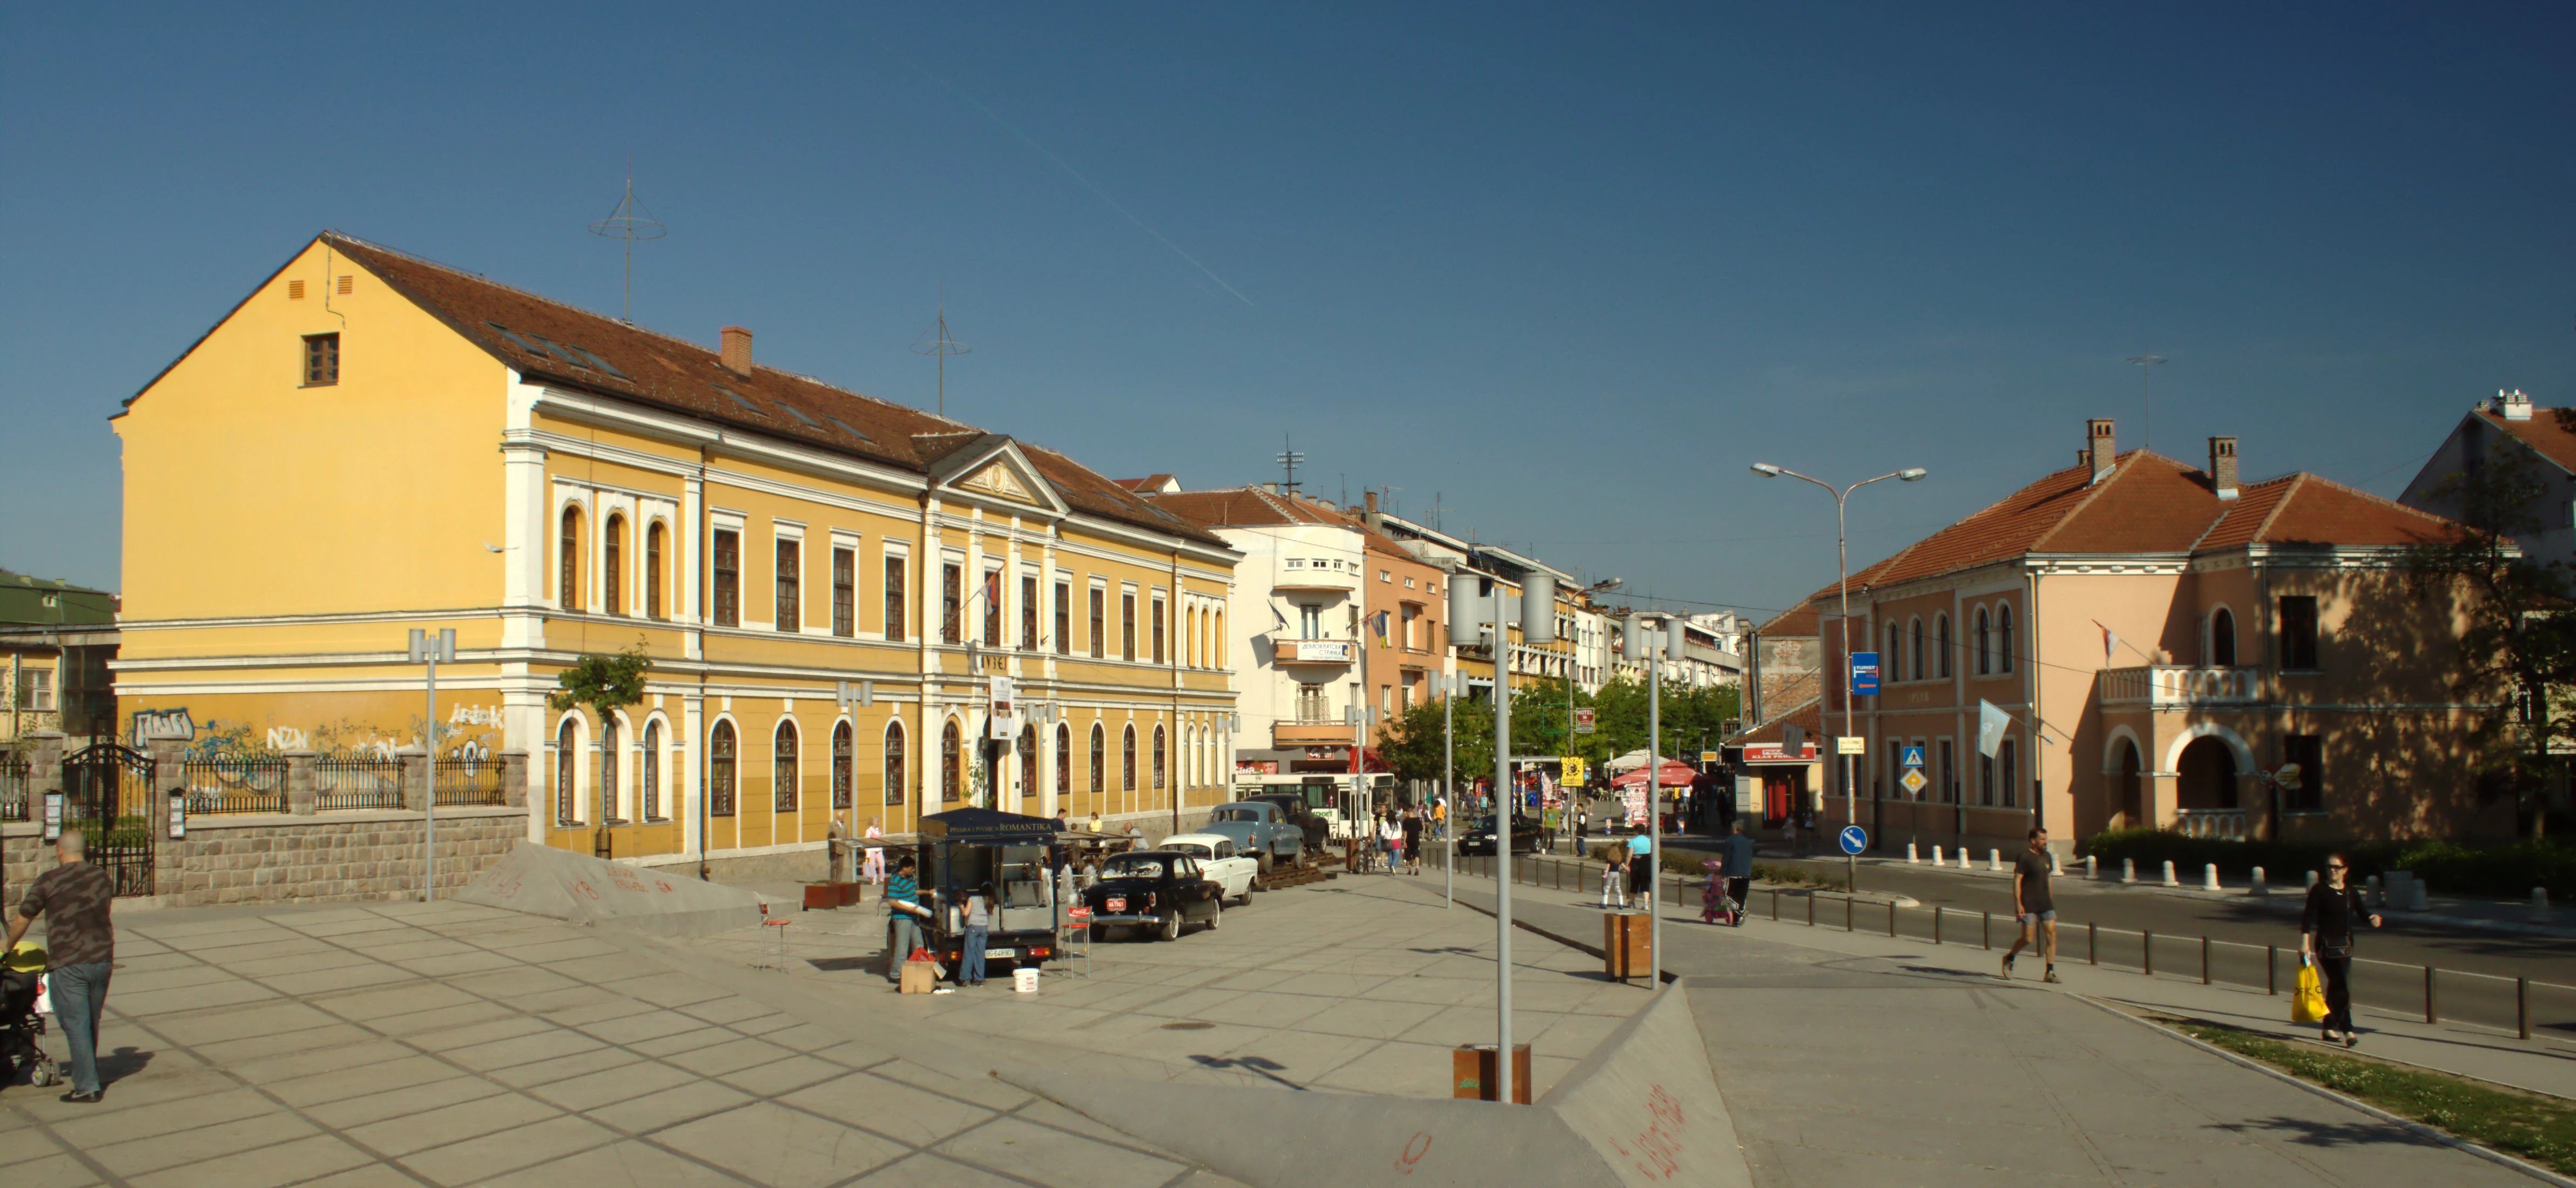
(1024,981)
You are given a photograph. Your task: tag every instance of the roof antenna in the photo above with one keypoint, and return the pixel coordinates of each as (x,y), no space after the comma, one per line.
(2146,408)
(940,346)
(1289,460)
(629,222)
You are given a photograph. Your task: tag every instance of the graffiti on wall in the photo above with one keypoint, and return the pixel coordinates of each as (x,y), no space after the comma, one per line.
(164,725)
(472,732)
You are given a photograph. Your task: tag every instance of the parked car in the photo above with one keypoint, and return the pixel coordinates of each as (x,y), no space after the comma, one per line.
(1478,836)
(1315,823)
(1158,890)
(1230,869)
(1258,827)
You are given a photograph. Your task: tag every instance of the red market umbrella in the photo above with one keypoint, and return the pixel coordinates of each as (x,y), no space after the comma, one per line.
(1673,774)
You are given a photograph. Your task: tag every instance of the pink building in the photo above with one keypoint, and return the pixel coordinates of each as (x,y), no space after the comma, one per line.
(2163,639)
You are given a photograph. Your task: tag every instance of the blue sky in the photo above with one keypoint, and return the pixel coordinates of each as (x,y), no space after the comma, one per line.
(1565,269)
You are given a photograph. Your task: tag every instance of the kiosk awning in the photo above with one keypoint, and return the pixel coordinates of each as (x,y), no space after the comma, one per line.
(987,827)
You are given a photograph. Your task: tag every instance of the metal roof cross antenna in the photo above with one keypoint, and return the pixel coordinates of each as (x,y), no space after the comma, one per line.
(1289,461)
(629,222)
(940,346)
(2146,407)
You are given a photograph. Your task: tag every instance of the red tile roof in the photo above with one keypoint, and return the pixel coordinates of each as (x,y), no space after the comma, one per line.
(2544,432)
(2152,504)
(1247,506)
(548,340)
(1800,622)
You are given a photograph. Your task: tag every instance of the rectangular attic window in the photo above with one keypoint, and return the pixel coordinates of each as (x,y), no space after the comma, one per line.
(740,399)
(545,348)
(795,412)
(845,428)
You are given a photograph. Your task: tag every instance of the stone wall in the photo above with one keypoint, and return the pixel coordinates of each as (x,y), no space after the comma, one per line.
(324,858)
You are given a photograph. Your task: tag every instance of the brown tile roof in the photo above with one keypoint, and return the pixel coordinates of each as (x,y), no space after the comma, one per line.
(1245,506)
(2544,432)
(2151,504)
(1800,622)
(1147,484)
(555,342)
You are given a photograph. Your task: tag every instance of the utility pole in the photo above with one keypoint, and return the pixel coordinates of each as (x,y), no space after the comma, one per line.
(430,649)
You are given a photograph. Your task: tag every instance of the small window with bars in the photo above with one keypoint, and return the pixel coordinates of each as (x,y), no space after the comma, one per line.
(321,359)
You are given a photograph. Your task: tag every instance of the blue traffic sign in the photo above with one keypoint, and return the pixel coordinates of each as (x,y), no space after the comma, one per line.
(1864,674)
(1910,757)
(1855,839)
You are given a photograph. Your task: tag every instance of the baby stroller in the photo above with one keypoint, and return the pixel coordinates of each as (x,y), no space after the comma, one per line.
(1714,905)
(22,980)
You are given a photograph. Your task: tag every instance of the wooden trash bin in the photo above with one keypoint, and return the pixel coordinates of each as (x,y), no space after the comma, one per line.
(822,895)
(1627,945)
(1478,1078)
(850,893)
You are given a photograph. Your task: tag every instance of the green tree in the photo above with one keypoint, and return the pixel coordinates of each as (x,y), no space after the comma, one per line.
(605,683)
(2517,653)
(1541,725)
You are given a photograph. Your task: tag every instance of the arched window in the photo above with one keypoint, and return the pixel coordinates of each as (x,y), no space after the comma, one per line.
(2222,637)
(567,773)
(1028,760)
(1893,662)
(1985,643)
(895,783)
(650,785)
(612,543)
(1219,632)
(782,769)
(952,773)
(609,790)
(653,537)
(1158,758)
(1063,760)
(568,570)
(2004,645)
(1127,761)
(1099,759)
(1941,640)
(720,773)
(1918,650)
(843,773)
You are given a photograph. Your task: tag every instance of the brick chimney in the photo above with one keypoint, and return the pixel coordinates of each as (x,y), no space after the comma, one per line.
(2222,466)
(2099,449)
(1375,522)
(737,350)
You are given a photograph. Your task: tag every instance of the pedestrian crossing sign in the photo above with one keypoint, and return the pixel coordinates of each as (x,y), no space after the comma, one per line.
(1913,780)
(1909,756)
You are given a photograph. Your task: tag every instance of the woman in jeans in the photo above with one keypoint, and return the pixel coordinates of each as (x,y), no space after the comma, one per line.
(979,924)
(2325,935)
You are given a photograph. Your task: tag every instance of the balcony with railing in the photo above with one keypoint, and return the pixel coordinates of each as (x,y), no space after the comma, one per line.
(2179,686)
(1308,732)
(1316,575)
(2227,824)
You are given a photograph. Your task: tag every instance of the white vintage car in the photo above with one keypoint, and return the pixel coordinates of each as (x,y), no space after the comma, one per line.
(1232,872)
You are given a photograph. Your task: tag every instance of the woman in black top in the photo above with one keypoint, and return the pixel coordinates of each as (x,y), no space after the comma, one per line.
(2325,933)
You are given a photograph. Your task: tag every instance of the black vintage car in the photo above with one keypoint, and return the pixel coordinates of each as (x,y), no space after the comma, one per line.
(1478,836)
(1158,890)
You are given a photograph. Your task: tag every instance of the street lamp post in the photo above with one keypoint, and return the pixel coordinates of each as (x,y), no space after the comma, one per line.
(1842,562)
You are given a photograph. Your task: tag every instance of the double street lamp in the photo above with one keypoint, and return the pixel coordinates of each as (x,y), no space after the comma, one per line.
(1842,561)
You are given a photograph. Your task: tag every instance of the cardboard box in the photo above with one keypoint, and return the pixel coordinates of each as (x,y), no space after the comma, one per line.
(920,977)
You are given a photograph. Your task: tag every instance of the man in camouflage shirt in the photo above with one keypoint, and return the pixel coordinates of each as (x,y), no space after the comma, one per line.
(80,949)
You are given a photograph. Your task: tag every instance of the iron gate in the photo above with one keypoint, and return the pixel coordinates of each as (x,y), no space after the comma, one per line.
(108,796)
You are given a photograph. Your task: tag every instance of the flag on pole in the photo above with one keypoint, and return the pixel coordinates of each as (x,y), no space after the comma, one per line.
(2110,641)
(1377,623)
(1991,724)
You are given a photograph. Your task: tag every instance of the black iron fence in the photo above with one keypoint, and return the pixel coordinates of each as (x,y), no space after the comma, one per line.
(467,780)
(234,784)
(342,783)
(2514,1006)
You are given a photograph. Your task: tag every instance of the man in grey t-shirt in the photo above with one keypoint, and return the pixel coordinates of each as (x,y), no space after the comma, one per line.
(80,951)
(2033,907)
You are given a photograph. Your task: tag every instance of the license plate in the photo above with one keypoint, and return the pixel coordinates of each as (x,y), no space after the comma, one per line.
(1117,905)
(1001,952)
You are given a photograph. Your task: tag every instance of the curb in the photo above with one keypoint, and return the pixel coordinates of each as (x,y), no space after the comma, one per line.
(2409,1125)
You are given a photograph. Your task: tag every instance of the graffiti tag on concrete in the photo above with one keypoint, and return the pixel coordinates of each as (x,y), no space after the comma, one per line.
(170,725)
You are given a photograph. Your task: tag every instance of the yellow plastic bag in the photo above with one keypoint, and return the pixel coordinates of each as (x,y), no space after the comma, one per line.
(2308,997)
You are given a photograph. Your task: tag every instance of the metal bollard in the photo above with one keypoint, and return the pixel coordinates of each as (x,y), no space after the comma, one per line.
(1986,927)
(1811,909)
(2522,1007)
(2147,951)
(2128,870)
(2209,877)
(2170,881)
(1891,919)
(2272,969)
(2092,868)
(2432,1005)
(1936,923)
(2204,961)
(2258,888)
(1847,913)
(1775,905)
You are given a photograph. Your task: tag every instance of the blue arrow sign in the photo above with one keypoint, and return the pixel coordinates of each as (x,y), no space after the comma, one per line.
(1910,757)
(1855,839)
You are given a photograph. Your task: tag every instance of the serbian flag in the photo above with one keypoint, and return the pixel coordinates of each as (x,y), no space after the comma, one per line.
(1377,623)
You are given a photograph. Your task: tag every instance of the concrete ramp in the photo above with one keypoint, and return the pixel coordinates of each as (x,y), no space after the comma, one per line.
(543,881)
(1643,1109)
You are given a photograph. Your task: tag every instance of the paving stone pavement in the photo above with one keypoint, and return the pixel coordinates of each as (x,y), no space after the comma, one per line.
(451,1045)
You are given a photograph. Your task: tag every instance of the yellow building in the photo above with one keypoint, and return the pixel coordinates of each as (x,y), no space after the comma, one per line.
(827,584)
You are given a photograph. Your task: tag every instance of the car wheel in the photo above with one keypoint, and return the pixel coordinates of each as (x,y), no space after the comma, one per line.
(1216,913)
(1261,861)
(1171,924)
(1099,932)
